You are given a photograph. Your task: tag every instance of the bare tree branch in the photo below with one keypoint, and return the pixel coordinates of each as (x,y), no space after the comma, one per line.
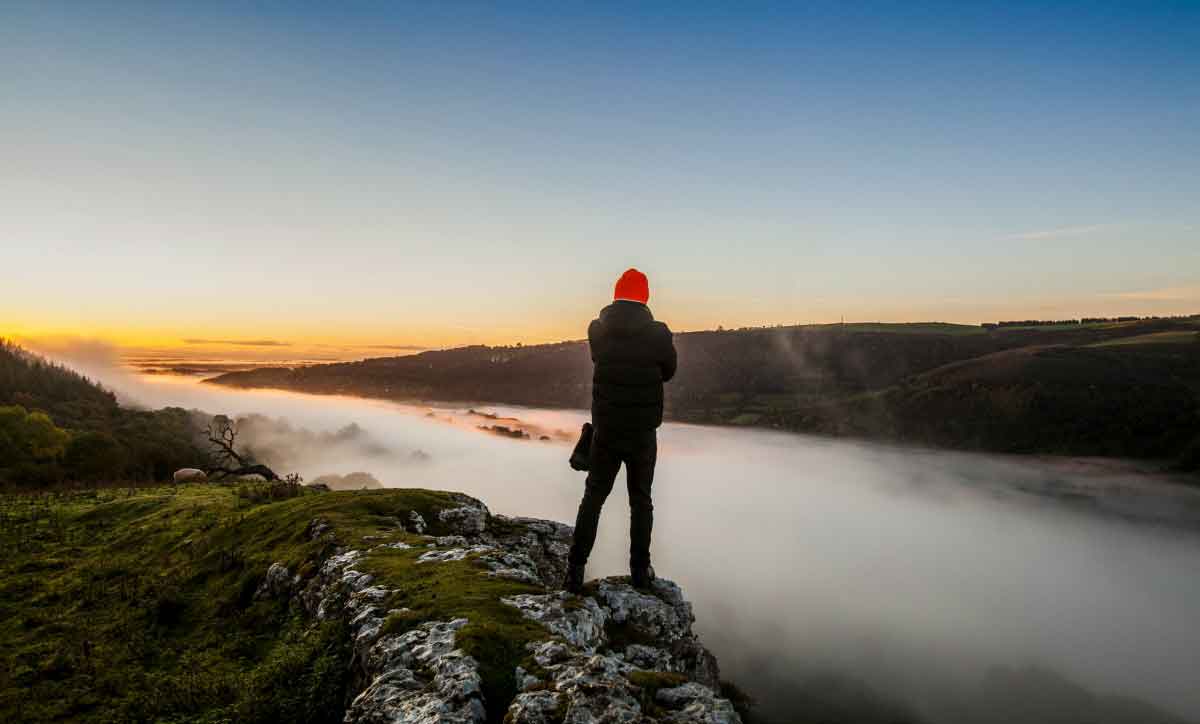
(222,439)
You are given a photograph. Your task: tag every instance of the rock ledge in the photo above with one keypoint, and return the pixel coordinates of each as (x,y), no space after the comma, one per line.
(614,654)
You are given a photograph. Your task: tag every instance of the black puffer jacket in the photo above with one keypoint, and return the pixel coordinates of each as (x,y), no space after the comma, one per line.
(633,356)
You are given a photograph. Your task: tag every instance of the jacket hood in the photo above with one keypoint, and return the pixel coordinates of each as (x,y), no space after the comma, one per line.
(625,318)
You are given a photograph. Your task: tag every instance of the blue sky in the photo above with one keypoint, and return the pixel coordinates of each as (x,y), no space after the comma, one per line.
(445,173)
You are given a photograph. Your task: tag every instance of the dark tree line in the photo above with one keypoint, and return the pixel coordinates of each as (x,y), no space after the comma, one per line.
(1082,320)
(58,426)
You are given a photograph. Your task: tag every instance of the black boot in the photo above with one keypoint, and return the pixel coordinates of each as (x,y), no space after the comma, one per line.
(573,581)
(641,576)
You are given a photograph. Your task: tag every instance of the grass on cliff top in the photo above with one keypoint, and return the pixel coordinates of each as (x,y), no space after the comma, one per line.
(138,604)
(496,634)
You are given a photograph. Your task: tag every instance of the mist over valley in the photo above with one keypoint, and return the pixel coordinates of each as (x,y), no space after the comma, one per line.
(832,576)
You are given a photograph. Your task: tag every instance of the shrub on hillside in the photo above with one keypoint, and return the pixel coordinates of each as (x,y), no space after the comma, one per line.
(94,456)
(31,446)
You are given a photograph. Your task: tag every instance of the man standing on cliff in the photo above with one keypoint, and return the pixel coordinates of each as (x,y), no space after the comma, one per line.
(633,355)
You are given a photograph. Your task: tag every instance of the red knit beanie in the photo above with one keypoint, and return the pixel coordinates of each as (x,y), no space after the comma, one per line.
(632,287)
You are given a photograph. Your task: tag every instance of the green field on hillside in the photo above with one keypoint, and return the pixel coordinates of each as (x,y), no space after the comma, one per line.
(139,604)
(1173,337)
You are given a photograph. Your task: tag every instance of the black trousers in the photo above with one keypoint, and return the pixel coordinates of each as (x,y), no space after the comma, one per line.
(638,449)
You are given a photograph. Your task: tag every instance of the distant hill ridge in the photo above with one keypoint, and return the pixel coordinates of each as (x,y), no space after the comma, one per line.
(1127,388)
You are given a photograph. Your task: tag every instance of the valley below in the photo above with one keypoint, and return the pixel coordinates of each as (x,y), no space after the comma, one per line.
(848,578)
(1126,389)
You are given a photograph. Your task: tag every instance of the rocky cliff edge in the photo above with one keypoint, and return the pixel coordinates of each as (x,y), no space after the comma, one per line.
(613,654)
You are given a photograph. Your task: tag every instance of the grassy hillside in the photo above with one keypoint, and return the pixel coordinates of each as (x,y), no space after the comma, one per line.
(1123,400)
(139,604)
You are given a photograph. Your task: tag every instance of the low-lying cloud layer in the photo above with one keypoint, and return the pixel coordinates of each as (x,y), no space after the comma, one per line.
(278,443)
(239,342)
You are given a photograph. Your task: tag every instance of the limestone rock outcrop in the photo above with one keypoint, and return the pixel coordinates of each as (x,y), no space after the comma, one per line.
(613,654)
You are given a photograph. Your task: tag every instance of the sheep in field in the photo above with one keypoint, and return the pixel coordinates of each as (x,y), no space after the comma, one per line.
(190,475)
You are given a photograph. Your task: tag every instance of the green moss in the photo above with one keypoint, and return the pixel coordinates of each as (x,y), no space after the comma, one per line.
(400,621)
(621,635)
(560,711)
(498,646)
(502,528)
(496,634)
(656,679)
(650,682)
(138,604)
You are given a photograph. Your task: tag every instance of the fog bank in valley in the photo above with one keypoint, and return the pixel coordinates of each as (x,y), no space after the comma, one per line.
(952,587)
